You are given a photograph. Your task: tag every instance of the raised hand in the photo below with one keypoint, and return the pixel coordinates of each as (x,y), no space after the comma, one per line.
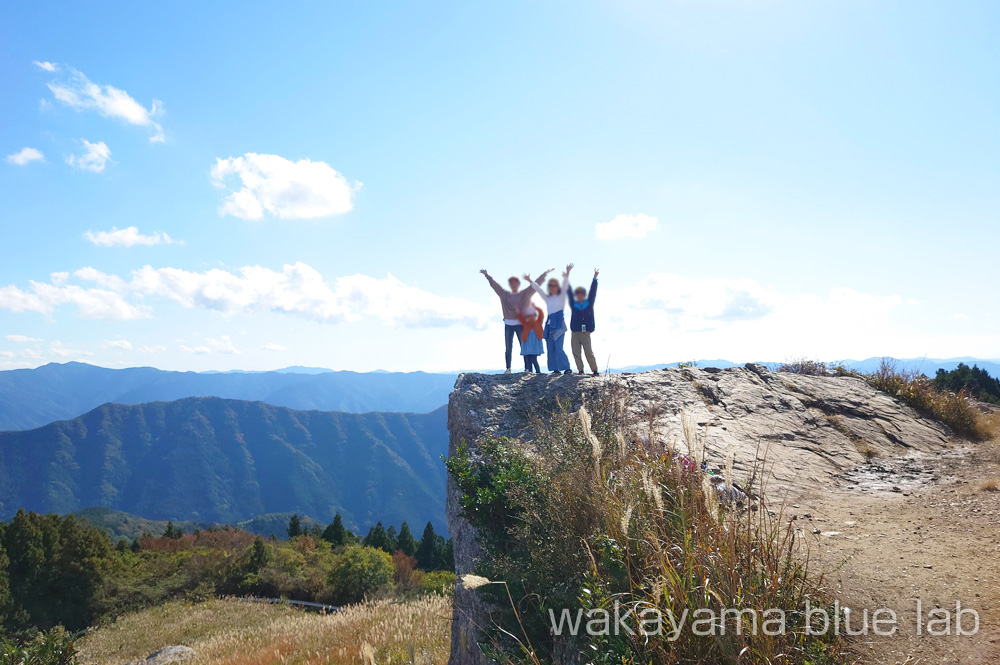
(483,271)
(527,277)
(596,271)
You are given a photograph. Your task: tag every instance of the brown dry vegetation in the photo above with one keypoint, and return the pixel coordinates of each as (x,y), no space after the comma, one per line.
(234,632)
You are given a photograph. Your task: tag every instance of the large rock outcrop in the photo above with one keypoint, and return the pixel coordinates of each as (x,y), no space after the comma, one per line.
(804,431)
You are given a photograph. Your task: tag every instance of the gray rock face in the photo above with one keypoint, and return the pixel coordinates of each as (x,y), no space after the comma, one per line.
(166,655)
(801,432)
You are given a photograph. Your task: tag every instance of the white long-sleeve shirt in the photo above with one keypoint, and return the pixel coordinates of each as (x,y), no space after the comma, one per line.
(554,303)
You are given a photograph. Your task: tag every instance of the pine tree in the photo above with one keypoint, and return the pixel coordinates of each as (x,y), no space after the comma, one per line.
(391,539)
(405,542)
(260,554)
(377,538)
(426,559)
(294,527)
(170,531)
(335,534)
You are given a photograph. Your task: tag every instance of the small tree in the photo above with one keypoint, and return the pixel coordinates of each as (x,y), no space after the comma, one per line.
(377,538)
(391,539)
(358,572)
(294,527)
(335,533)
(405,542)
(426,558)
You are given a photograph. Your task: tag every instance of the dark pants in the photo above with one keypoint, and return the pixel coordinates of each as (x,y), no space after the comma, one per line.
(509,332)
(531,364)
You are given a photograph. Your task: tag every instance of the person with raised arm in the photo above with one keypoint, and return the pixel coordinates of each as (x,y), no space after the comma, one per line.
(581,324)
(512,303)
(554,296)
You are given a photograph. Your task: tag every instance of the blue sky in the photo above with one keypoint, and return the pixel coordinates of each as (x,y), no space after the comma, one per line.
(319,184)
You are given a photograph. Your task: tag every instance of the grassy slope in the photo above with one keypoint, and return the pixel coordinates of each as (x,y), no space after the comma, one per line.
(227,632)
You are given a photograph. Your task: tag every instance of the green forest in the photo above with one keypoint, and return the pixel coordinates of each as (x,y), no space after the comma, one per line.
(973,381)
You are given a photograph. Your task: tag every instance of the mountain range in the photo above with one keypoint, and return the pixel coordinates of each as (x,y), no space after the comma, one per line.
(31,398)
(34,397)
(209,459)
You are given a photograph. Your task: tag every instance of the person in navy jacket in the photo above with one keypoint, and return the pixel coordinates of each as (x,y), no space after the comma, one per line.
(581,325)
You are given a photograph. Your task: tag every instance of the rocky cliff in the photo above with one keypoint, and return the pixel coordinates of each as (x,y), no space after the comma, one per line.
(804,431)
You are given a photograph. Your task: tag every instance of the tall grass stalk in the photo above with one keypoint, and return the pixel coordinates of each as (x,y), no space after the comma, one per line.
(570,523)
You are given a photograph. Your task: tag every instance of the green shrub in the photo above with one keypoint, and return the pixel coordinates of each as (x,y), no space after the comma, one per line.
(54,647)
(438,581)
(358,572)
(593,516)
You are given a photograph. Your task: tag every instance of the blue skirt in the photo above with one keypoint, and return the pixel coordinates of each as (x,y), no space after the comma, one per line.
(532,346)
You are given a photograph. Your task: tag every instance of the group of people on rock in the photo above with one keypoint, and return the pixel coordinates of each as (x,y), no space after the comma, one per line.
(524,320)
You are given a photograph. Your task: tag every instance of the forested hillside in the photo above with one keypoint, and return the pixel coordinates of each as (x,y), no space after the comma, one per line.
(219,460)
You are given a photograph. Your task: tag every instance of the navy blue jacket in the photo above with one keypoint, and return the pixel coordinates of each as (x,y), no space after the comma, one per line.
(582,316)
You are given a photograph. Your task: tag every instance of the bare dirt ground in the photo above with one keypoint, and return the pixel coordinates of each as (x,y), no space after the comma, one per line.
(900,530)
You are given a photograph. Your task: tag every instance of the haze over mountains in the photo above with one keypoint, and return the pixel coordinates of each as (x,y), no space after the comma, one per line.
(35,397)
(219,460)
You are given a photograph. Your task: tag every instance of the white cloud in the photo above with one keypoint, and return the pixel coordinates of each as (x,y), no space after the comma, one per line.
(7,354)
(273,347)
(626,226)
(680,317)
(81,94)
(47,66)
(145,348)
(120,344)
(279,187)
(22,339)
(44,298)
(60,350)
(961,316)
(127,237)
(94,158)
(297,289)
(222,344)
(25,156)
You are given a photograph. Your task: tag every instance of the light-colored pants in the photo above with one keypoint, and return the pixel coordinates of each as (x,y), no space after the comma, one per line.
(578,341)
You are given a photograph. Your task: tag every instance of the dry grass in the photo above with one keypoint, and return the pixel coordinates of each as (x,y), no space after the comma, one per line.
(602,511)
(233,632)
(991,485)
(957,410)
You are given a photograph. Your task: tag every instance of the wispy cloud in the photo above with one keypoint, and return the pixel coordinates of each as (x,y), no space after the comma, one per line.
(274,186)
(47,66)
(21,339)
(120,344)
(626,226)
(273,347)
(127,237)
(60,350)
(222,344)
(95,156)
(25,156)
(91,303)
(297,290)
(81,94)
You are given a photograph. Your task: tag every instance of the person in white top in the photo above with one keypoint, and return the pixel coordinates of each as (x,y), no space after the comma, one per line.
(555,295)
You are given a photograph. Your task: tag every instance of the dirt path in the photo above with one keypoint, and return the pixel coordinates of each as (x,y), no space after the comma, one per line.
(921,527)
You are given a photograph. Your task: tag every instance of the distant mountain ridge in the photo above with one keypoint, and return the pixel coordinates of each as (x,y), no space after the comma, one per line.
(119,524)
(31,398)
(207,459)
